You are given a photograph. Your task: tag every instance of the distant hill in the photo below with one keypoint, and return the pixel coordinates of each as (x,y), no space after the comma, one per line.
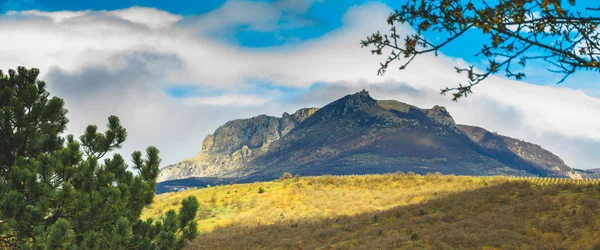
(360,135)
(595,170)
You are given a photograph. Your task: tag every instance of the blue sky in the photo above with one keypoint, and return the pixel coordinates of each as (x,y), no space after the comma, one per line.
(187,67)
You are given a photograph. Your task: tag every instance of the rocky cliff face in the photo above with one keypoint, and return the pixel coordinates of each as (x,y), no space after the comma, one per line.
(358,134)
(232,146)
(254,133)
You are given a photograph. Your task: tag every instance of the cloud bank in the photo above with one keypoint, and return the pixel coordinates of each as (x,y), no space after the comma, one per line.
(120,62)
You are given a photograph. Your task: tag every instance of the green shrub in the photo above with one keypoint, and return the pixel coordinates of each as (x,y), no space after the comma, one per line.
(414,237)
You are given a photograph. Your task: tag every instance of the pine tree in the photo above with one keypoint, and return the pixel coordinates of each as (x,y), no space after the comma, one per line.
(57,192)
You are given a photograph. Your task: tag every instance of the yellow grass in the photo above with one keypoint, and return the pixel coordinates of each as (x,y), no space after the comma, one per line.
(384,211)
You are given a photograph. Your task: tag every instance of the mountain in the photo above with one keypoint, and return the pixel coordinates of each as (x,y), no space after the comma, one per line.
(359,135)
(593,170)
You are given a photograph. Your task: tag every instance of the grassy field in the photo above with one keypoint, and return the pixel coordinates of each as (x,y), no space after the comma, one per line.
(396,211)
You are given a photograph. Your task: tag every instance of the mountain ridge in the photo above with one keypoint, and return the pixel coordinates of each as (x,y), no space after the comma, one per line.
(357,134)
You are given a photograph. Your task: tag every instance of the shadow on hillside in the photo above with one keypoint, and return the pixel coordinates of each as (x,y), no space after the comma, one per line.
(509,215)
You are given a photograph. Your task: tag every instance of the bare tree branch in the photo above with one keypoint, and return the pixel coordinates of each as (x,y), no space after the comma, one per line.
(519,30)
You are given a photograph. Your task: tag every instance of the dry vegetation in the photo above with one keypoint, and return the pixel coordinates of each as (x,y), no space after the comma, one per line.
(396,211)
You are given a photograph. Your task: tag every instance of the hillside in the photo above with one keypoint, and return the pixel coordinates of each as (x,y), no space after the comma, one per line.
(360,135)
(396,211)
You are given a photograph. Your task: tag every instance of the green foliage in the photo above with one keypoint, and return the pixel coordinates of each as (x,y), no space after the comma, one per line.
(414,236)
(261,190)
(519,32)
(56,194)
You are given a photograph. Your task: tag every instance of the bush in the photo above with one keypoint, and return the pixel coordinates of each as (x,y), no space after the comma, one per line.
(261,190)
(414,237)
(286,176)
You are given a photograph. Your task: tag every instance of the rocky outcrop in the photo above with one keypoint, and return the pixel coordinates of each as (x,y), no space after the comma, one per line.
(232,146)
(439,115)
(357,134)
(208,143)
(255,132)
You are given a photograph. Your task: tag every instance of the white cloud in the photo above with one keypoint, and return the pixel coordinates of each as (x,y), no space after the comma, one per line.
(258,16)
(226,100)
(118,62)
(57,16)
(151,17)
(251,15)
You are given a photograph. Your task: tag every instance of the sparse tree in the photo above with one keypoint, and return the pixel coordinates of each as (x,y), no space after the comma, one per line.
(56,194)
(520,31)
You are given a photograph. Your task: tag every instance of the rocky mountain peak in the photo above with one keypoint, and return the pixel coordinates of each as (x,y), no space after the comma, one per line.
(359,101)
(345,106)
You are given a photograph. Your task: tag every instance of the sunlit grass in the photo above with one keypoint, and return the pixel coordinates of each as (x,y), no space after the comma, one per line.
(311,197)
(345,204)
